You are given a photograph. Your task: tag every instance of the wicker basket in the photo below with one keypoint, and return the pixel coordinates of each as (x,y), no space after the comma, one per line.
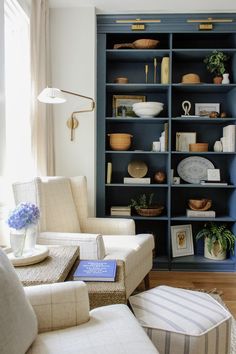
(198,147)
(153,211)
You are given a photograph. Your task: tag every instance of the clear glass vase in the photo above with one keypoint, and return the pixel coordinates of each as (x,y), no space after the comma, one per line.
(31,237)
(17,241)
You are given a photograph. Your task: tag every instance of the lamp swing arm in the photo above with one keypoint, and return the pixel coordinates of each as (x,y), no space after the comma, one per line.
(82,96)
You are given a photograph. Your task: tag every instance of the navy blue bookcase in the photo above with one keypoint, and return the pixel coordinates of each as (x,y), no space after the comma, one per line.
(186,46)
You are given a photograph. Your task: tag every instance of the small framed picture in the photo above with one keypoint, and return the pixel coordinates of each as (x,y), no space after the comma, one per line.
(213,174)
(182,240)
(184,139)
(204,109)
(122,105)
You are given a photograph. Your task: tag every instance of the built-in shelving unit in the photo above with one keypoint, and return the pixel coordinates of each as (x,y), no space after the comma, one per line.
(186,47)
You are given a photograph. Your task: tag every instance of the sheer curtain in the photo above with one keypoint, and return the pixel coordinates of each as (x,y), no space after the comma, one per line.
(41,118)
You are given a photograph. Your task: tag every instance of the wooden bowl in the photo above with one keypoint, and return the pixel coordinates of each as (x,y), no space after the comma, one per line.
(120,141)
(152,211)
(137,169)
(198,147)
(121,80)
(145,43)
(199,204)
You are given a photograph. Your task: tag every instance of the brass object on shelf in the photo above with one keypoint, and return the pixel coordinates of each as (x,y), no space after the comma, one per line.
(155,70)
(211,20)
(159,177)
(146,73)
(205,26)
(137,169)
(138,27)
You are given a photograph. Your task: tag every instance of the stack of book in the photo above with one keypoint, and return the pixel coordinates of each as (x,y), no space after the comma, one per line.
(200,213)
(96,270)
(136,180)
(121,210)
(213,183)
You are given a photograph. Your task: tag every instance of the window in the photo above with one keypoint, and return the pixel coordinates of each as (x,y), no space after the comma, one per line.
(18,159)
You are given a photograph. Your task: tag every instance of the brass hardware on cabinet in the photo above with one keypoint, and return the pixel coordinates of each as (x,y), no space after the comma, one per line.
(138,20)
(212,20)
(137,27)
(206,26)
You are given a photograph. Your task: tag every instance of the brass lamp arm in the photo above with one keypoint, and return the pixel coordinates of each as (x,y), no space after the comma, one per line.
(82,96)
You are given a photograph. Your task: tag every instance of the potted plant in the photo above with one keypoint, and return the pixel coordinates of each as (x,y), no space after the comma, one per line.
(218,240)
(215,64)
(144,205)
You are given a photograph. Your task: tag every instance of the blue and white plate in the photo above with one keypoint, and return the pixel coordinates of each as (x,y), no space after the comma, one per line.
(193,169)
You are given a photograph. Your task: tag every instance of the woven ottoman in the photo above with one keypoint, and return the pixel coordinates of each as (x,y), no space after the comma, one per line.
(180,321)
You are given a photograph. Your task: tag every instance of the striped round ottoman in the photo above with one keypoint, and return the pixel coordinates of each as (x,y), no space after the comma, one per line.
(180,321)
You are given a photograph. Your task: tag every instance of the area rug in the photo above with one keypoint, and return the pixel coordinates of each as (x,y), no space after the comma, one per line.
(233,328)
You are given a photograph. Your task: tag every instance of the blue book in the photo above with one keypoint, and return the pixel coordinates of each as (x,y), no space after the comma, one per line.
(96,270)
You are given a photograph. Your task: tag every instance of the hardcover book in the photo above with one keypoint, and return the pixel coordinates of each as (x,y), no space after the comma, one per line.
(96,270)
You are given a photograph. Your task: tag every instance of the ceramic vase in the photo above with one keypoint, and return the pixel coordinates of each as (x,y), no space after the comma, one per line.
(218,146)
(216,252)
(225,79)
(31,237)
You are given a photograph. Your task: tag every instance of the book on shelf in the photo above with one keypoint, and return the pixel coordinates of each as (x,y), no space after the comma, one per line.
(214,183)
(96,270)
(109,172)
(200,213)
(134,180)
(121,210)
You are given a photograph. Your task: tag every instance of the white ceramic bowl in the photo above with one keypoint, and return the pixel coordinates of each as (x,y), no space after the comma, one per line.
(147,109)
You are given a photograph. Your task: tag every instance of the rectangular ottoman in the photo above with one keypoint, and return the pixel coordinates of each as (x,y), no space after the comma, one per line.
(180,321)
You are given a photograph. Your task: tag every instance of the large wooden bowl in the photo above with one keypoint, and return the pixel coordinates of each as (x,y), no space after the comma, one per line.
(152,211)
(199,204)
(120,141)
(145,43)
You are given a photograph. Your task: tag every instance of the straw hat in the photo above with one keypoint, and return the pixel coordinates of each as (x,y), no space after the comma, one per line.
(190,79)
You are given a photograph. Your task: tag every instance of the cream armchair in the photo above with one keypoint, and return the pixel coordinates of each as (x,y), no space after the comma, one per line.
(65,220)
(55,318)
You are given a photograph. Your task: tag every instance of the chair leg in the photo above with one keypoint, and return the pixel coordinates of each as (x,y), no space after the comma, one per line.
(147,282)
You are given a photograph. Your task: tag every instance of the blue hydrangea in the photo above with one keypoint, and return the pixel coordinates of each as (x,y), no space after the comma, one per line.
(23,215)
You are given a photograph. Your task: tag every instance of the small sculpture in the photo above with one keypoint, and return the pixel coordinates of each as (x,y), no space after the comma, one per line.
(186,105)
(160,177)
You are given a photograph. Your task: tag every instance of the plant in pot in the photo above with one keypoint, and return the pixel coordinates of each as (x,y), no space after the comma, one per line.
(218,240)
(144,205)
(215,64)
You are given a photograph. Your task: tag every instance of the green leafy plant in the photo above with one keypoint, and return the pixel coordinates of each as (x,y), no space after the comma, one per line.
(217,234)
(143,201)
(215,62)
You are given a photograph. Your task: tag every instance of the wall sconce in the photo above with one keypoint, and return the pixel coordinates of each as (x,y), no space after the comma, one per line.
(56,96)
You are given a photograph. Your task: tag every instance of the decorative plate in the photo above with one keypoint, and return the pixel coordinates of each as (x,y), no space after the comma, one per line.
(193,169)
(39,254)
(137,169)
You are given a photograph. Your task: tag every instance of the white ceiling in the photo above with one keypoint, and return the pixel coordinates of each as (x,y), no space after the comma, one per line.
(148,6)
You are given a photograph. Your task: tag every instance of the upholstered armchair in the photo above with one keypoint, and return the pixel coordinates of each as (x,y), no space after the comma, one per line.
(65,220)
(55,318)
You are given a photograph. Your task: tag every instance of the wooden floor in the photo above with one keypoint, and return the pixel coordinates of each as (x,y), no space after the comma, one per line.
(225,283)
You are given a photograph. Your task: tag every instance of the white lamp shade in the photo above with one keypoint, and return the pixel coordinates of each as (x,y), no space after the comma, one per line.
(51,95)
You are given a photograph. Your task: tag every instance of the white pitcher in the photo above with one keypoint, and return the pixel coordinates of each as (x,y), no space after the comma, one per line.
(225,79)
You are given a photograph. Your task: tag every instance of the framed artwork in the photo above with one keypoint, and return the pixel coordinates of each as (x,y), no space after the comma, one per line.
(204,109)
(122,105)
(184,139)
(182,240)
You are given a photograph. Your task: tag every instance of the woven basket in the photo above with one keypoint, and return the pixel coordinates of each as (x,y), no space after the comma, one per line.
(154,211)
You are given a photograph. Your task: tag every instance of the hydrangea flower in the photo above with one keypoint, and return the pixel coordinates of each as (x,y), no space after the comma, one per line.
(23,215)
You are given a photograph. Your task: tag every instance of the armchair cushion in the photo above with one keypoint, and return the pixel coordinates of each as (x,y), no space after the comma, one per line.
(91,245)
(111,329)
(59,305)
(58,211)
(18,323)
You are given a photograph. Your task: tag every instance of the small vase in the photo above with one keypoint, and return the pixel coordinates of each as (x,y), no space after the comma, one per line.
(218,146)
(17,241)
(225,79)
(217,80)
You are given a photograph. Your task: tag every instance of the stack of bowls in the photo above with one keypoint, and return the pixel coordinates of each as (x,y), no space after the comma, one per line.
(147,109)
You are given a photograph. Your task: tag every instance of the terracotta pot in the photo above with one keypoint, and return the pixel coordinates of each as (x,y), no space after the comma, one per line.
(217,80)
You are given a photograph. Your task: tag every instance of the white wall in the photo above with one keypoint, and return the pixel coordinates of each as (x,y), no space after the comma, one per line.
(73,49)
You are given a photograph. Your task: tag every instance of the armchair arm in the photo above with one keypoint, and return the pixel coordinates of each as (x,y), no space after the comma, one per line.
(59,305)
(91,245)
(109,226)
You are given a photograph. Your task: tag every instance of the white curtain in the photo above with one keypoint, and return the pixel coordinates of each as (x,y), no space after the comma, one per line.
(41,118)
